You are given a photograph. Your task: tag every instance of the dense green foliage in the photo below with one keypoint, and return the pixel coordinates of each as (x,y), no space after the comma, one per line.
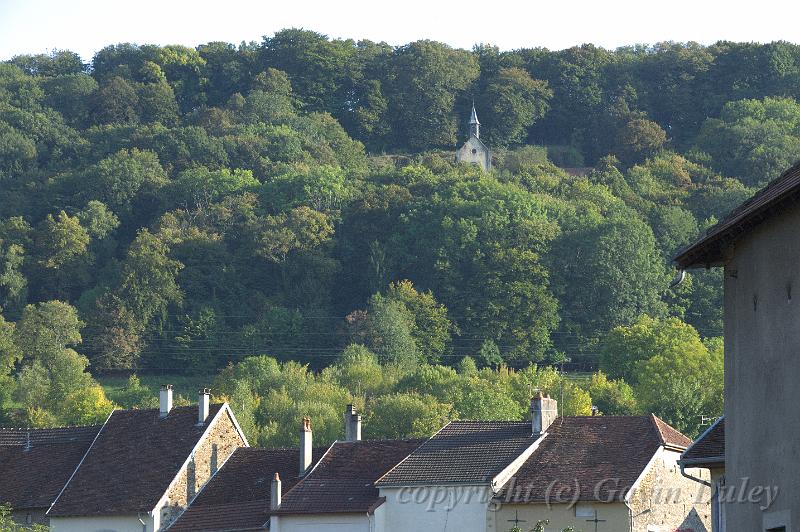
(193,207)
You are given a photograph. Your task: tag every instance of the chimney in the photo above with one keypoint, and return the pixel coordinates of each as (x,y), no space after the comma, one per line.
(165,400)
(544,411)
(203,399)
(352,424)
(275,492)
(305,445)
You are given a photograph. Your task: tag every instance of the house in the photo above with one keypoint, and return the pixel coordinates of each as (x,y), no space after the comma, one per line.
(35,464)
(338,494)
(758,248)
(491,475)
(614,473)
(145,466)
(238,496)
(474,151)
(708,452)
(448,482)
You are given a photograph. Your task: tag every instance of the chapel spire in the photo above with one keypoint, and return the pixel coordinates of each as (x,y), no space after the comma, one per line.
(474,124)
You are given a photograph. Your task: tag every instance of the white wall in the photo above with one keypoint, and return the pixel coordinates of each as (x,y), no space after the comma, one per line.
(324,523)
(111,523)
(440,508)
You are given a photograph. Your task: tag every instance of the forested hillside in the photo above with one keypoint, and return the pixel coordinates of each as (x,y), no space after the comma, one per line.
(175,209)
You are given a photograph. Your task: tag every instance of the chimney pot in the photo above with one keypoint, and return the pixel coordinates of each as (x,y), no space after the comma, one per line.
(352,424)
(275,492)
(165,400)
(544,411)
(306,445)
(203,400)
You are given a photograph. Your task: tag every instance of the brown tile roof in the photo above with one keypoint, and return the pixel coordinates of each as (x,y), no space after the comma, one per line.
(670,437)
(589,458)
(36,463)
(344,479)
(132,462)
(775,197)
(709,448)
(238,496)
(463,452)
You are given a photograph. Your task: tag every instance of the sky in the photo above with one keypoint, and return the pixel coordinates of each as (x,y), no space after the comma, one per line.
(85,26)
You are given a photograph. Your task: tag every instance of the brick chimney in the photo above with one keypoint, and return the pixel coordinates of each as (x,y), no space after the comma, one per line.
(544,411)
(203,400)
(306,446)
(275,492)
(352,424)
(165,400)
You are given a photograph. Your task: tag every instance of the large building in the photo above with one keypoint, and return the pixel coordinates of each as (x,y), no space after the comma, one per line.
(758,247)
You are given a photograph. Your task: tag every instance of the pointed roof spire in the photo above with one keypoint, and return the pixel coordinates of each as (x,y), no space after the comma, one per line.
(473,119)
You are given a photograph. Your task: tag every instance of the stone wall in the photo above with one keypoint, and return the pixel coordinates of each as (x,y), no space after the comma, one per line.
(666,501)
(219,443)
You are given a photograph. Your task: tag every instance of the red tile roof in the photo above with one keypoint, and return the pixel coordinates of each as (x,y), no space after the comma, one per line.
(35,464)
(670,437)
(709,448)
(775,197)
(132,462)
(344,479)
(238,496)
(589,459)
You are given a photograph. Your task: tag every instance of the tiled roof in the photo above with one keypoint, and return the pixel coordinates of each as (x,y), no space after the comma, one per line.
(36,463)
(776,196)
(589,458)
(238,496)
(132,462)
(669,436)
(709,448)
(463,452)
(343,480)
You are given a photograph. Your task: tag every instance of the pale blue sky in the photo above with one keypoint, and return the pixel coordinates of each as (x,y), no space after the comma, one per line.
(85,26)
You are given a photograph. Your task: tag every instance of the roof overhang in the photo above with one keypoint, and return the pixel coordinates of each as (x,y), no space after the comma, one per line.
(710,250)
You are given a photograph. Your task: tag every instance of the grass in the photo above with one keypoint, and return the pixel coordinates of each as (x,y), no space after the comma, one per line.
(183,385)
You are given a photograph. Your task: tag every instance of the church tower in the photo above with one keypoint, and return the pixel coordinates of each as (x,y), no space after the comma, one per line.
(474,124)
(474,151)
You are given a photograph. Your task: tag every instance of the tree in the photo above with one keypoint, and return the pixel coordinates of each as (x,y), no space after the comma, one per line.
(612,397)
(119,180)
(427,79)
(61,250)
(639,138)
(610,273)
(115,102)
(53,384)
(431,330)
(406,415)
(753,139)
(514,101)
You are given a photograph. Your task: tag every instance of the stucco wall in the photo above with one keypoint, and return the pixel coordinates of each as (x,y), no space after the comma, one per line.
(665,500)
(762,373)
(322,523)
(481,155)
(117,523)
(220,442)
(614,517)
(441,508)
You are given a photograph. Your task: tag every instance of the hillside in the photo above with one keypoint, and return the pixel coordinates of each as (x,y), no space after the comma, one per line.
(192,207)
